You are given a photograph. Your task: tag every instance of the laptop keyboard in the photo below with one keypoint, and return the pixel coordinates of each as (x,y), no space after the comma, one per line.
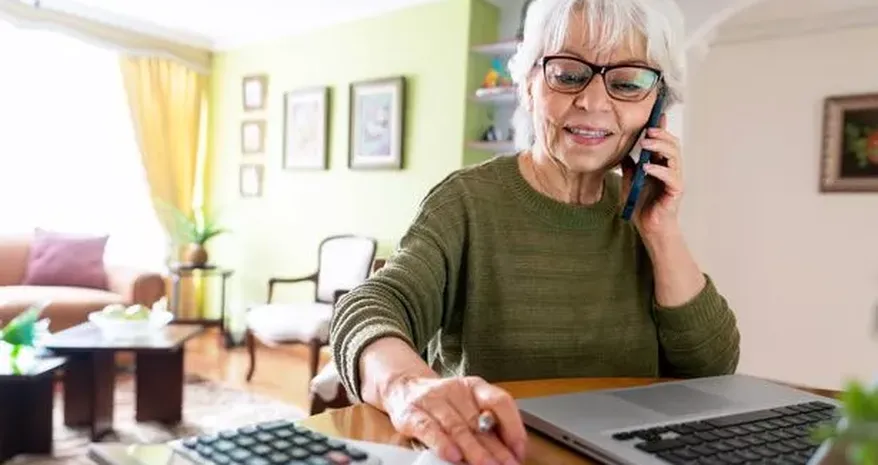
(780,436)
(272,443)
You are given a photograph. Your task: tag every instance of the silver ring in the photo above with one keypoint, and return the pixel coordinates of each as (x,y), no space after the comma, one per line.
(486,422)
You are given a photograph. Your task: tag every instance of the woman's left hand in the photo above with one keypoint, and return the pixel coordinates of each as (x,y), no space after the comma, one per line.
(659,217)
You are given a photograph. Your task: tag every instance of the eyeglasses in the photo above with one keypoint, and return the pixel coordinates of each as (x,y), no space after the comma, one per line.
(627,82)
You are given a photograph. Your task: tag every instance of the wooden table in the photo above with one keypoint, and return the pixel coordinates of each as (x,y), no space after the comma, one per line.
(367,423)
(180,271)
(90,375)
(26,411)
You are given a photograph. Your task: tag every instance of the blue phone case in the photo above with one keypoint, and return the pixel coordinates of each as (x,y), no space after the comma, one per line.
(639,177)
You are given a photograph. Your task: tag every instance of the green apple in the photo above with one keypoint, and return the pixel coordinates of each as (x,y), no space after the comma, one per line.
(137,312)
(114,311)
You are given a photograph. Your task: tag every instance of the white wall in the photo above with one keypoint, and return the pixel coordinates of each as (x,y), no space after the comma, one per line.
(799,267)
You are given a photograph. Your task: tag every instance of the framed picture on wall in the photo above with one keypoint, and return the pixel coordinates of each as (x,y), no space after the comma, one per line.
(850,144)
(254,92)
(377,124)
(250,180)
(305,128)
(253,137)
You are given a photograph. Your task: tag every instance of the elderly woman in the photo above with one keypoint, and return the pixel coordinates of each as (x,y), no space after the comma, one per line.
(522,268)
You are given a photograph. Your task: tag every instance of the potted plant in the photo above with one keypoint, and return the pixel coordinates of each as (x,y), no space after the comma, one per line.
(19,335)
(853,440)
(193,231)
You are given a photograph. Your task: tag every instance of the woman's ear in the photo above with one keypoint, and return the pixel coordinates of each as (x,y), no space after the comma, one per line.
(529,96)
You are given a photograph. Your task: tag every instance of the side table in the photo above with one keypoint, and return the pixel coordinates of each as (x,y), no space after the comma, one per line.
(180,271)
(26,415)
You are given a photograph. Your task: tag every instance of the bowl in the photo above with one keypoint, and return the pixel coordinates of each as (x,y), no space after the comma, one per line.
(114,327)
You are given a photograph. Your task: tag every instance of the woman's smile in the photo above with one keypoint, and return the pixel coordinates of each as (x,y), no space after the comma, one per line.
(590,136)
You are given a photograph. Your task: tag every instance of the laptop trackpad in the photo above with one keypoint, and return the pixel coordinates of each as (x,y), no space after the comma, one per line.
(674,399)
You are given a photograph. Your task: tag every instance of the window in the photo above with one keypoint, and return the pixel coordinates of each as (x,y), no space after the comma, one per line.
(69,159)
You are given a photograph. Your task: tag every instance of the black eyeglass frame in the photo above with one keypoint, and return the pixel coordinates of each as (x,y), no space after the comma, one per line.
(601,70)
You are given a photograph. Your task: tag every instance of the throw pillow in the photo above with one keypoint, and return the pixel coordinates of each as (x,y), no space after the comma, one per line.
(58,259)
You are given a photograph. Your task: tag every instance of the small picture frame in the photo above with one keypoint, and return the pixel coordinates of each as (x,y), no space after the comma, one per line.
(250,180)
(252,137)
(305,128)
(849,162)
(377,124)
(254,92)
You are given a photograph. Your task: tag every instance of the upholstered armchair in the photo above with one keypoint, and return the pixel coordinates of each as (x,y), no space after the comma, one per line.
(326,390)
(344,262)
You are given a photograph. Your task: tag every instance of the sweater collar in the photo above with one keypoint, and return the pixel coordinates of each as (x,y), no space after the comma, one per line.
(560,213)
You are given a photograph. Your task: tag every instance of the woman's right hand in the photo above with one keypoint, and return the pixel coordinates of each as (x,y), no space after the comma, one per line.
(443,415)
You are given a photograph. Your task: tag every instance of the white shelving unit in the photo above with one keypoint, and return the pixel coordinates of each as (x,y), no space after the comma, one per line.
(504,48)
(506,96)
(502,100)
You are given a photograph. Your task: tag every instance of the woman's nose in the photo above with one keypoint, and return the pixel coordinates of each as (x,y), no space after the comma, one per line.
(594,96)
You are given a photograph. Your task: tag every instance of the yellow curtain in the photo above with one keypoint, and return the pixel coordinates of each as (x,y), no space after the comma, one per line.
(165,99)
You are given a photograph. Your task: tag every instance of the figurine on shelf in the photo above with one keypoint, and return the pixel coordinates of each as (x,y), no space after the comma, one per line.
(491,134)
(498,76)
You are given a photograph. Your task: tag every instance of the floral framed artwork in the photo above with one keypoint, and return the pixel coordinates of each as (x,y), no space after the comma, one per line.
(377,124)
(250,180)
(252,137)
(305,128)
(254,92)
(850,144)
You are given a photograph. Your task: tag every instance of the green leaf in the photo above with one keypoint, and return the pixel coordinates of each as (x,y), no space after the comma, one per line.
(861,147)
(196,228)
(22,329)
(852,131)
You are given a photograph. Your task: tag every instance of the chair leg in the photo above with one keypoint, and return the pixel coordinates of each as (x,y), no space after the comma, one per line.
(317,405)
(251,349)
(315,356)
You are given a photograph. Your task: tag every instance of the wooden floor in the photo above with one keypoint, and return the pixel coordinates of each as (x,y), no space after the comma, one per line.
(281,372)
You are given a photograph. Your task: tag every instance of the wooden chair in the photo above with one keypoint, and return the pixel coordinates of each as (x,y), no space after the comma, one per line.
(344,262)
(325,388)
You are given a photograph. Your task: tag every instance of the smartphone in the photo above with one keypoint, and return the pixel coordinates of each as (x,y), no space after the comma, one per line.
(639,177)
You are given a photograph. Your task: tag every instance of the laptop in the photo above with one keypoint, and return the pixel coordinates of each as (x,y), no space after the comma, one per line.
(732,419)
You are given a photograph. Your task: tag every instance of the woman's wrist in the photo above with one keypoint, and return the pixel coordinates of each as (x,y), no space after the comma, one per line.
(678,278)
(387,364)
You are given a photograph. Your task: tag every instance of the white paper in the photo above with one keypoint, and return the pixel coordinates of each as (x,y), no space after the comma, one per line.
(429,458)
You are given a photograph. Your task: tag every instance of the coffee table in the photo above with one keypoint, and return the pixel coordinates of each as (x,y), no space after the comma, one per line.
(26,414)
(90,374)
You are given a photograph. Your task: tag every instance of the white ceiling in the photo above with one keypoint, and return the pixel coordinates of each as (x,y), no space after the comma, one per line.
(227,24)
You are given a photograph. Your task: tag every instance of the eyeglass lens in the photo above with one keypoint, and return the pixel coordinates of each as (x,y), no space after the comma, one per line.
(623,83)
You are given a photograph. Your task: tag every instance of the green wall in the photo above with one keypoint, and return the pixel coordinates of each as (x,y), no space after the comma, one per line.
(483,29)
(278,233)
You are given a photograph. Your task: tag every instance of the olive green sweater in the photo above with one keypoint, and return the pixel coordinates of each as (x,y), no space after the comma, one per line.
(497,280)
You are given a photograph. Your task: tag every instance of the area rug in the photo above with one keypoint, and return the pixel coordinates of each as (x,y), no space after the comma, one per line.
(207,407)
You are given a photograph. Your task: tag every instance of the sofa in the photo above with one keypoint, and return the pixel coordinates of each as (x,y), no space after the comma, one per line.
(69,274)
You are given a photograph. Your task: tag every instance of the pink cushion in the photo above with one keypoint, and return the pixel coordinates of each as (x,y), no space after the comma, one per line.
(58,259)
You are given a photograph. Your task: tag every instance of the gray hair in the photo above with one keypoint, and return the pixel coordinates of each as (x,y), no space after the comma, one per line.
(610,24)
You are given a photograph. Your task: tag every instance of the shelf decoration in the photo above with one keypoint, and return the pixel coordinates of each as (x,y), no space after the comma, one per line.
(497,81)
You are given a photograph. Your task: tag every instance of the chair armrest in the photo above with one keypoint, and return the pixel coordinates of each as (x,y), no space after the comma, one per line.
(136,286)
(327,391)
(272,281)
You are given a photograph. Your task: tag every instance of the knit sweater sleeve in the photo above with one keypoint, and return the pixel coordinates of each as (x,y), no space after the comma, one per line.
(699,337)
(407,298)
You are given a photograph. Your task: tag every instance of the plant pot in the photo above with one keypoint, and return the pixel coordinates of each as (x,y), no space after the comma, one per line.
(847,449)
(196,255)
